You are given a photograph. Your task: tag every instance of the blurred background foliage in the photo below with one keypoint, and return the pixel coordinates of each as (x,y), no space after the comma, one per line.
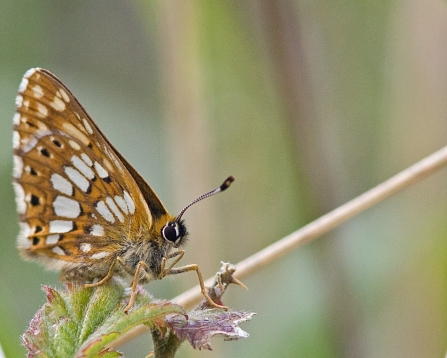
(308,104)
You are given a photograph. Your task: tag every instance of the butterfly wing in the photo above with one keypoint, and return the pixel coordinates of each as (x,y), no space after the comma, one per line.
(78,199)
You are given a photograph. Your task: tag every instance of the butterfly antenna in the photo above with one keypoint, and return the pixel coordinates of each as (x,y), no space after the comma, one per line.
(223,187)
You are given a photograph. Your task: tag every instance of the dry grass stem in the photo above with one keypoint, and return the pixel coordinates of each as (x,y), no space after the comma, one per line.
(322,225)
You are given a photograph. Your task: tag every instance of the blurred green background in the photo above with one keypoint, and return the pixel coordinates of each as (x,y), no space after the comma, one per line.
(308,104)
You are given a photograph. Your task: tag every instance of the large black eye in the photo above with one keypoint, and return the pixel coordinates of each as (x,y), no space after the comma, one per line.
(170,232)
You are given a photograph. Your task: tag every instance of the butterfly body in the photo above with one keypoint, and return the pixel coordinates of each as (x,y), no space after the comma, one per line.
(83,209)
(146,247)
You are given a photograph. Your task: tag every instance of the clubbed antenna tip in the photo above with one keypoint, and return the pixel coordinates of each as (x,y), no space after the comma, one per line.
(226,183)
(223,187)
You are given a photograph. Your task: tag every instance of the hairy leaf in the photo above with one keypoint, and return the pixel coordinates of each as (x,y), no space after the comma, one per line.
(81,322)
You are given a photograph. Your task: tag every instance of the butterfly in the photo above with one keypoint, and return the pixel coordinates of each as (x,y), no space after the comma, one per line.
(83,209)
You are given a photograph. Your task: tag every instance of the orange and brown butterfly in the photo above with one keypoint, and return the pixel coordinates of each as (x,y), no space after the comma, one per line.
(83,209)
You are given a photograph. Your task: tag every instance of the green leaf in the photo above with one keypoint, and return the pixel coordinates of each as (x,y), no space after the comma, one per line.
(81,322)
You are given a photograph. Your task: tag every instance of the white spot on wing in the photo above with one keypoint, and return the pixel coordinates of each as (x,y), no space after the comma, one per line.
(101,171)
(74,132)
(28,144)
(52,239)
(82,167)
(66,207)
(37,91)
(105,212)
(77,178)
(100,255)
(42,110)
(107,163)
(113,158)
(64,95)
(58,104)
(18,166)
(122,204)
(58,251)
(20,198)
(85,247)
(97,230)
(60,226)
(86,159)
(74,145)
(43,129)
(87,126)
(115,209)
(61,184)
(129,202)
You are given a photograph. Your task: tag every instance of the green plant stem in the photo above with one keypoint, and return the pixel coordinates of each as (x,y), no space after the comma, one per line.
(165,347)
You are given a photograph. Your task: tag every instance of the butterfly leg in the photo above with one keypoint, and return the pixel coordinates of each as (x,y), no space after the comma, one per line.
(136,279)
(195,268)
(107,277)
(164,271)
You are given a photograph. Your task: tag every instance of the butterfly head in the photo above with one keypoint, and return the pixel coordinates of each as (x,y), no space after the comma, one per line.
(175,231)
